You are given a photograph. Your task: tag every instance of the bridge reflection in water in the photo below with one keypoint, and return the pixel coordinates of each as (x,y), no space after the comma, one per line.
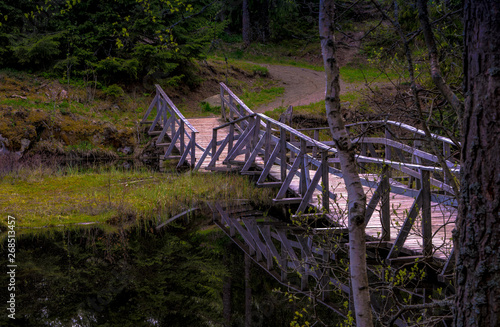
(411,207)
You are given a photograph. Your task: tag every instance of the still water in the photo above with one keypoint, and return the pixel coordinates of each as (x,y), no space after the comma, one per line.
(135,277)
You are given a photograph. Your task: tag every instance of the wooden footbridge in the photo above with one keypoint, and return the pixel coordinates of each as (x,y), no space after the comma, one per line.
(411,207)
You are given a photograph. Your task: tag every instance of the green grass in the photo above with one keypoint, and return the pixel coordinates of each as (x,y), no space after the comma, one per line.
(288,52)
(256,98)
(39,198)
(318,109)
(363,73)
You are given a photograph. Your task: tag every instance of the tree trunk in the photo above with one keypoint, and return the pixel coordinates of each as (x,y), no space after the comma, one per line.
(437,77)
(248,292)
(246,23)
(226,290)
(478,233)
(356,195)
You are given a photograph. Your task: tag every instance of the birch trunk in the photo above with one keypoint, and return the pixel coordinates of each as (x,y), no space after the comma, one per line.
(356,194)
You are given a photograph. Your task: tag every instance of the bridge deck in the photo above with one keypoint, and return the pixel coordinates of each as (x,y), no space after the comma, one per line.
(443,216)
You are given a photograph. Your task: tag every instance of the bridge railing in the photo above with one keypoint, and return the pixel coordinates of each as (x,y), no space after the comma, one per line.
(304,164)
(169,122)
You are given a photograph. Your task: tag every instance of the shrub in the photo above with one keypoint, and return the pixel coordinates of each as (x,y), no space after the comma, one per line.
(114,91)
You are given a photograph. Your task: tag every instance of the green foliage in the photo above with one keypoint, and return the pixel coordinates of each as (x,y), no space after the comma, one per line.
(117,69)
(114,91)
(206,107)
(37,50)
(122,40)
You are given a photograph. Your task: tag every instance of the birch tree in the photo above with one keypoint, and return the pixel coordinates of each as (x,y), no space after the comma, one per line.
(356,194)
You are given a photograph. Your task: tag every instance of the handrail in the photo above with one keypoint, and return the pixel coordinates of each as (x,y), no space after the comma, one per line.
(174,108)
(390,122)
(321,147)
(232,95)
(407,127)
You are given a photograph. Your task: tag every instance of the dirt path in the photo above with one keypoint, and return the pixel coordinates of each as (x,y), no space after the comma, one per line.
(302,86)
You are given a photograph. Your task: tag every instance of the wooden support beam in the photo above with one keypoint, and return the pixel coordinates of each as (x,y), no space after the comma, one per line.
(310,190)
(172,145)
(426,214)
(253,155)
(385,206)
(288,178)
(287,200)
(269,164)
(204,155)
(217,154)
(242,141)
(405,229)
(269,184)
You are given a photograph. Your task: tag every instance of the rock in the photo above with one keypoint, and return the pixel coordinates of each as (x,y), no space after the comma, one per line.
(125,150)
(286,117)
(214,101)
(25,143)
(3,143)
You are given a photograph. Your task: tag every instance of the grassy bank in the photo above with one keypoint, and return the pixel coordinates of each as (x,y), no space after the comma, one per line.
(40,198)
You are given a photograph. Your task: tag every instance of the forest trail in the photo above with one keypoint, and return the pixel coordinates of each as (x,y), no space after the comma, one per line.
(302,86)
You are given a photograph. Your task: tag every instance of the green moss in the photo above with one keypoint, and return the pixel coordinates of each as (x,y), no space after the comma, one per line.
(37,198)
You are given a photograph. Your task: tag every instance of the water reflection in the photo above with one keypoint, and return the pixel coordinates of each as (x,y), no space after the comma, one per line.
(85,277)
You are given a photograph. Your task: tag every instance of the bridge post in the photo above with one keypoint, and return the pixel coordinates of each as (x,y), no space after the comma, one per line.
(303,176)
(182,135)
(385,205)
(193,149)
(222,107)
(267,147)
(230,142)
(292,154)
(315,148)
(426,213)
(283,153)
(214,142)
(325,190)
(446,155)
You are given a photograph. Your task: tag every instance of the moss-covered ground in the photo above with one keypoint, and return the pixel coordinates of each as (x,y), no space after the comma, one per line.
(45,197)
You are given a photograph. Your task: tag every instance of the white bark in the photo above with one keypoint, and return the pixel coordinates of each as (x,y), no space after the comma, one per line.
(356,195)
